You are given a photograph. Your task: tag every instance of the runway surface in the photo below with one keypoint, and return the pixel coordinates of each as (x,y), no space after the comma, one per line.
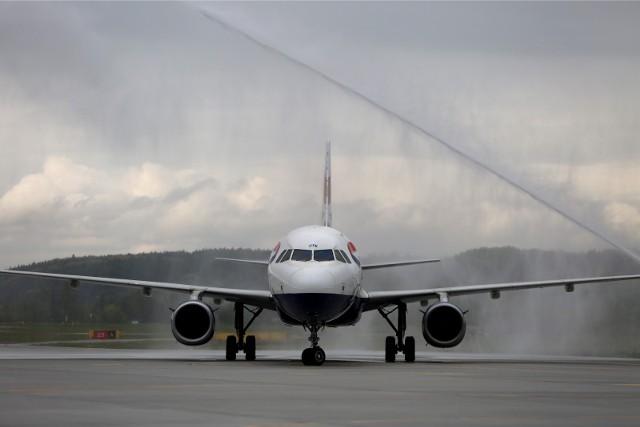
(92,387)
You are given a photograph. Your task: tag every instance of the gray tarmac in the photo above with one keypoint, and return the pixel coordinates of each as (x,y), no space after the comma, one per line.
(51,386)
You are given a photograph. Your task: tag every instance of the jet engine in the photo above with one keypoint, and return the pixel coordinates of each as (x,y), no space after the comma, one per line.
(193,323)
(443,325)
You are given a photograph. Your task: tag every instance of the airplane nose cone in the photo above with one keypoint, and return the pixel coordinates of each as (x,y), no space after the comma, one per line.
(313,280)
(314,294)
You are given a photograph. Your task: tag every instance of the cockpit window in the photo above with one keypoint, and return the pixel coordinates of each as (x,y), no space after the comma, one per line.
(339,256)
(346,257)
(284,256)
(301,255)
(323,255)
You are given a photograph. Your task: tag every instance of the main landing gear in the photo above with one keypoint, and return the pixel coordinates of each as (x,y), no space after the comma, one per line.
(398,344)
(238,342)
(315,355)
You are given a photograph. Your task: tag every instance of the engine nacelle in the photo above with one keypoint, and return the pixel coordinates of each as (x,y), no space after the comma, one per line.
(443,325)
(193,323)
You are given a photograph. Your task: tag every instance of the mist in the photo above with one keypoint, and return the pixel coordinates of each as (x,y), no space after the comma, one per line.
(574,335)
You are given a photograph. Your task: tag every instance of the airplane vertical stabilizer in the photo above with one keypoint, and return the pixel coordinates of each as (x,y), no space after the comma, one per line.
(326,202)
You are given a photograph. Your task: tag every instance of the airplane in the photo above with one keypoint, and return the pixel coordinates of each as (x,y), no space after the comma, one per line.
(315,280)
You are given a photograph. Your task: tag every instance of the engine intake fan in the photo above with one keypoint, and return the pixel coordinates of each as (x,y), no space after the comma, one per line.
(443,325)
(193,323)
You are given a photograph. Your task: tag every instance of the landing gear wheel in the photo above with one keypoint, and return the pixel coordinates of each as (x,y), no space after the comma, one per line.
(307,357)
(390,349)
(232,347)
(314,356)
(318,356)
(250,348)
(397,344)
(246,343)
(410,349)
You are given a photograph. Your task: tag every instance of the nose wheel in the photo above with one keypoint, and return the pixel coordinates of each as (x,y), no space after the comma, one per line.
(314,356)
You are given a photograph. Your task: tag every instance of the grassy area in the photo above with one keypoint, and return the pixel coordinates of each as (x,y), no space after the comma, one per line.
(132,336)
(38,333)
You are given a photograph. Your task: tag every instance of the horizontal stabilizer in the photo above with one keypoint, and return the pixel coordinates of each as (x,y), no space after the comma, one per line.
(245,261)
(397,264)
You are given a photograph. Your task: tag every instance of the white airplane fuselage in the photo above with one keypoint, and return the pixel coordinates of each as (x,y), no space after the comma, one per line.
(315,277)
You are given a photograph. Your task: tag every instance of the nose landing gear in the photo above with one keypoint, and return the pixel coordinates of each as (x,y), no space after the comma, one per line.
(315,355)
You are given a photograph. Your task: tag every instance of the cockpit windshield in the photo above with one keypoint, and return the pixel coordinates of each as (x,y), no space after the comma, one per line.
(302,255)
(319,255)
(323,255)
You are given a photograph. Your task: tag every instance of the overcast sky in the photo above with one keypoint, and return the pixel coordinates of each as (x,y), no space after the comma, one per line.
(131,127)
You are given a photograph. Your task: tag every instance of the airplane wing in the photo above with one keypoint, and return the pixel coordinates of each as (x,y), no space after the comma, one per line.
(250,297)
(378,299)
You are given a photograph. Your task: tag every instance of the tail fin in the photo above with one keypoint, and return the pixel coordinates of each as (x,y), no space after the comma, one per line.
(326,204)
